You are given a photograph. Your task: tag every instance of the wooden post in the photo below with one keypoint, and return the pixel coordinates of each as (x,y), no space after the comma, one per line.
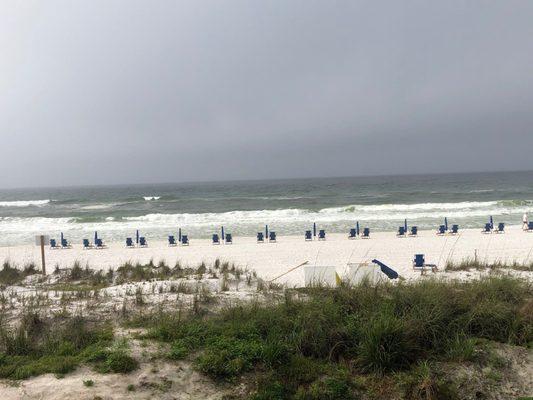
(42,255)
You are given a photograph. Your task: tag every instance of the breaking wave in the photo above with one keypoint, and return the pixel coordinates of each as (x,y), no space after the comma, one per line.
(24,203)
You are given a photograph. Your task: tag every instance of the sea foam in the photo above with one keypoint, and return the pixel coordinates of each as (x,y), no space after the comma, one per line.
(24,203)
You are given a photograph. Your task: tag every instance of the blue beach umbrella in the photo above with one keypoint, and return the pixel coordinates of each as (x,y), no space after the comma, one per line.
(266,231)
(179,234)
(61,237)
(222,230)
(314,228)
(491,223)
(357,228)
(405,224)
(137,237)
(95,236)
(446,222)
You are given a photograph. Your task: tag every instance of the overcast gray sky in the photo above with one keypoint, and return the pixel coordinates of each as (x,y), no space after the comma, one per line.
(165,91)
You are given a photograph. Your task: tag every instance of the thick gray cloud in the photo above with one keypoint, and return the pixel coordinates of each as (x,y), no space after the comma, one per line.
(136,91)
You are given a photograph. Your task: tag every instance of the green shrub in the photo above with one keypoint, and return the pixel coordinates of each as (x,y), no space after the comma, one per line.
(461,348)
(116,361)
(385,345)
(226,358)
(271,390)
(178,350)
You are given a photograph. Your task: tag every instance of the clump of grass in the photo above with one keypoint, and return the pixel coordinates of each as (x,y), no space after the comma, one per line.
(471,263)
(302,342)
(117,361)
(11,275)
(385,344)
(37,346)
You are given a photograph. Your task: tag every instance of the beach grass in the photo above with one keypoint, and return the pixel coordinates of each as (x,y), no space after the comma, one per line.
(10,274)
(475,264)
(315,343)
(309,343)
(36,345)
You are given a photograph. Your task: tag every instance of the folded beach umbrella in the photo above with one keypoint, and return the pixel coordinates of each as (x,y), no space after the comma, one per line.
(266,231)
(61,237)
(179,234)
(137,237)
(446,222)
(95,236)
(405,224)
(314,228)
(222,230)
(491,223)
(357,228)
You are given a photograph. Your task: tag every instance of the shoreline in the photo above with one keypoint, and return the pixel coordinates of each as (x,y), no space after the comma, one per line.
(272,259)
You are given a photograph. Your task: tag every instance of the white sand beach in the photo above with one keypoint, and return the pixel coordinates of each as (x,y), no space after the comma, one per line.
(272,259)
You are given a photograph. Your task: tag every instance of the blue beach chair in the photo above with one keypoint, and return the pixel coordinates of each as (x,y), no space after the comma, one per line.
(272,237)
(172,241)
(216,239)
(86,244)
(501,228)
(65,244)
(352,234)
(419,264)
(308,235)
(143,242)
(260,237)
(229,239)
(530,226)
(321,234)
(414,231)
(366,233)
(454,230)
(53,244)
(487,228)
(401,231)
(441,230)
(99,244)
(419,261)
(129,243)
(184,240)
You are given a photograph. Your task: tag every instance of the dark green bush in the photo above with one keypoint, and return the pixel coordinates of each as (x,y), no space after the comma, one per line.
(120,362)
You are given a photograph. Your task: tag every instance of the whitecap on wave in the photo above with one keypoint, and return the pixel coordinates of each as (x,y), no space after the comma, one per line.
(24,203)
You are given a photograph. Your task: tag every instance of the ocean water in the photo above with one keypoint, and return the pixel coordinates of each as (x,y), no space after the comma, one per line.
(287,206)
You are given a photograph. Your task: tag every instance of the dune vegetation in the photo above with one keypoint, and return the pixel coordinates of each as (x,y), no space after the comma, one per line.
(388,340)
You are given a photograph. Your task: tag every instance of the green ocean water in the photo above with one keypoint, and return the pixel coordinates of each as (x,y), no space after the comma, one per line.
(287,206)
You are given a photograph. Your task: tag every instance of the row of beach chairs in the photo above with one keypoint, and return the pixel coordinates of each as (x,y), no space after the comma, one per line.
(365,234)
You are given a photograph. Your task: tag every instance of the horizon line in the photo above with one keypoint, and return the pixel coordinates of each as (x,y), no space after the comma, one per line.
(262,180)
